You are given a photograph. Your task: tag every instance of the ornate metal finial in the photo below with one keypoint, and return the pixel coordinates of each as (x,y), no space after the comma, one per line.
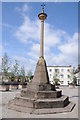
(43,7)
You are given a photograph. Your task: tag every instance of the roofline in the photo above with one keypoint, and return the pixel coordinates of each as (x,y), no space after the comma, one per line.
(60,66)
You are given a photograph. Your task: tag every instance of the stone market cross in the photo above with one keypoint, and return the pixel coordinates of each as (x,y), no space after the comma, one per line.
(40,97)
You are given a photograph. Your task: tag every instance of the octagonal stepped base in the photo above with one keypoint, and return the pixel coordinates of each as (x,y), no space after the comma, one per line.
(22,105)
(41,103)
(40,97)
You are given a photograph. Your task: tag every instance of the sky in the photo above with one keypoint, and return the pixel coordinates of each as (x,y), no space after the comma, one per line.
(21,33)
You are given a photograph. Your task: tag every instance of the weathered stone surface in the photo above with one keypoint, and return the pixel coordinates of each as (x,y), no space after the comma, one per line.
(41,94)
(51,103)
(49,94)
(20,108)
(67,108)
(25,102)
(41,74)
(41,103)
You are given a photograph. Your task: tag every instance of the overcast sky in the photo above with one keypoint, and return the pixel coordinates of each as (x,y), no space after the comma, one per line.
(21,33)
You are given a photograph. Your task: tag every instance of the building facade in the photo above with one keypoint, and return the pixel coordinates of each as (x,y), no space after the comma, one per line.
(63,73)
(77,74)
(78,78)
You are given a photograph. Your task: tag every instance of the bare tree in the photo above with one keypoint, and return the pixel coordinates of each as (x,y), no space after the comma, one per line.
(29,74)
(72,76)
(16,68)
(22,74)
(5,65)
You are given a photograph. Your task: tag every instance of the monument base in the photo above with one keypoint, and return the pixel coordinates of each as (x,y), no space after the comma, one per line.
(40,97)
(30,110)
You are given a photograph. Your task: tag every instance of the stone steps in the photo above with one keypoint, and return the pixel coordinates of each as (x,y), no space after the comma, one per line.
(68,108)
(24,101)
(41,94)
(49,94)
(20,108)
(41,103)
(52,103)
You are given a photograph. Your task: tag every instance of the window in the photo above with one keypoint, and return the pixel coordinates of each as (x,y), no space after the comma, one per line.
(56,70)
(62,70)
(68,70)
(50,75)
(50,70)
(62,76)
(61,82)
(68,76)
(56,75)
(68,82)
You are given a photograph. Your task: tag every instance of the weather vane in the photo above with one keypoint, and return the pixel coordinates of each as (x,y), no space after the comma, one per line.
(43,7)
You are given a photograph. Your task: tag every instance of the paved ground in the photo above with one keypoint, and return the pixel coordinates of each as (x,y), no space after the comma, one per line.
(7,113)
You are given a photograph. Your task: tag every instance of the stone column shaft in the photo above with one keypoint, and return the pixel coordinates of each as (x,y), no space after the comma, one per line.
(42,39)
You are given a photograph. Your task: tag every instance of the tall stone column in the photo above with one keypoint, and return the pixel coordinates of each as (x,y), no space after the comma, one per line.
(41,78)
(42,16)
(42,39)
